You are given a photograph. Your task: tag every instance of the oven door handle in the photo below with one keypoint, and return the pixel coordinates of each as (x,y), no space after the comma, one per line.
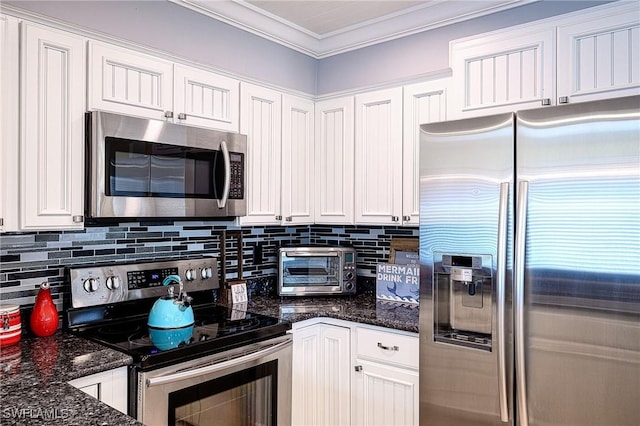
(190,373)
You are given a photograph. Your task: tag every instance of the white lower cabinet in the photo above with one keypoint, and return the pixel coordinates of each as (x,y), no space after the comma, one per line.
(109,387)
(385,378)
(346,373)
(321,366)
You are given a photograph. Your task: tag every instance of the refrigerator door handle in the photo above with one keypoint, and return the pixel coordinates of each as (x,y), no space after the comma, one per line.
(503,217)
(521,227)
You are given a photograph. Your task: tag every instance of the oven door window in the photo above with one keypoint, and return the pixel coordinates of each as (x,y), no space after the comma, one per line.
(310,270)
(143,169)
(247,397)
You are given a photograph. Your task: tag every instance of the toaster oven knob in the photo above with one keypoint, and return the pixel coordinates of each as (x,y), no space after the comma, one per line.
(206,273)
(348,286)
(90,285)
(113,283)
(190,275)
(349,275)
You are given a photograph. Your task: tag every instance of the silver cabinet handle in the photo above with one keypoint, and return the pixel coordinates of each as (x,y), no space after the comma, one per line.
(406,218)
(358,368)
(227,175)
(182,116)
(278,217)
(388,348)
(546,101)
(521,228)
(289,218)
(503,213)
(168,114)
(78,219)
(187,374)
(563,100)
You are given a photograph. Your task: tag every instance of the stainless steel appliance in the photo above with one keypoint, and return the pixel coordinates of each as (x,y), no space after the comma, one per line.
(141,168)
(322,270)
(530,267)
(230,367)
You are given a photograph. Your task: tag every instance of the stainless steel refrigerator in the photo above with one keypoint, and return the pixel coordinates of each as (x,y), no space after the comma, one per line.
(530,267)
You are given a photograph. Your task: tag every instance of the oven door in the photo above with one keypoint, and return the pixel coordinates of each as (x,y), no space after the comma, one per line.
(245,386)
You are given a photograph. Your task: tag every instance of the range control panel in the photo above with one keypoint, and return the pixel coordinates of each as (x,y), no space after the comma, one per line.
(113,283)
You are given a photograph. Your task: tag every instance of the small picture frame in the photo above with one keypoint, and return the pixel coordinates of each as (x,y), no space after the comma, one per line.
(404,250)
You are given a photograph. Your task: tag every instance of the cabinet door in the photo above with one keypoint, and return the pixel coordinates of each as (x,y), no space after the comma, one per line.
(205,99)
(378,157)
(260,120)
(297,160)
(599,54)
(9,119)
(384,395)
(423,103)
(334,158)
(109,387)
(503,71)
(129,82)
(52,125)
(321,385)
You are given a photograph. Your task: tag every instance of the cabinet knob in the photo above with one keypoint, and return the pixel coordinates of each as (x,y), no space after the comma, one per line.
(168,114)
(182,116)
(358,368)
(546,102)
(406,218)
(563,100)
(289,218)
(278,217)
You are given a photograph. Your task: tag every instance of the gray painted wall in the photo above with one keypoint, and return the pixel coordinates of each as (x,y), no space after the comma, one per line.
(165,26)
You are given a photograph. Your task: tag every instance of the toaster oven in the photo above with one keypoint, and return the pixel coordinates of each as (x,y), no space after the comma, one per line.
(315,271)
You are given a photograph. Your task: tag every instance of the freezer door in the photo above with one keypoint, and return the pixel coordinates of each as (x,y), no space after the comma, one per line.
(466,206)
(578,265)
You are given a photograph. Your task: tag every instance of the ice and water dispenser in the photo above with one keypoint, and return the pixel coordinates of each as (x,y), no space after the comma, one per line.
(463,299)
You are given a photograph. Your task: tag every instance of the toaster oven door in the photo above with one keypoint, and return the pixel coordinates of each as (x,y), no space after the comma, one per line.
(306,273)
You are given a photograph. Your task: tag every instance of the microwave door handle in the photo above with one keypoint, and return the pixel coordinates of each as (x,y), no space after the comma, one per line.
(227,175)
(314,254)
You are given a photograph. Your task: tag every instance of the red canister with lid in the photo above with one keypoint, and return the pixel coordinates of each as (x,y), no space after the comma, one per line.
(10,325)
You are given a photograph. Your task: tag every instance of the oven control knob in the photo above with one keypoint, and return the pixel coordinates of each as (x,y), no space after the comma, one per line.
(206,273)
(190,275)
(90,285)
(349,286)
(113,282)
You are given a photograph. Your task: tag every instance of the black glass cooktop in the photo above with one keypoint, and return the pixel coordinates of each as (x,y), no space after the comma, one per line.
(217,328)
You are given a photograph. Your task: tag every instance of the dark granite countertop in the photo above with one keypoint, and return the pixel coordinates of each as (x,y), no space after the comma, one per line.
(363,308)
(34,375)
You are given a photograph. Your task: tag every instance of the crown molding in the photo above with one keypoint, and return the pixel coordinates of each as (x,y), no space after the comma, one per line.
(428,16)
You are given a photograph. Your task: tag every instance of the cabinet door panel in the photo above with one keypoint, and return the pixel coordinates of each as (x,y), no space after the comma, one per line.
(385,396)
(128,82)
(207,99)
(598,53)
(297,160)
(52,145)
(334,161)
(9,119)
(260,120)
(378,151)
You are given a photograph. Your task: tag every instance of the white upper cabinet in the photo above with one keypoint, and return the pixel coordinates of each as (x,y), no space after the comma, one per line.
(599,54)
(298,197)
(129,82)
(261,121)
(378,157)
(205,99)
(334,159)
(52,128)
(9,119)
(504,71)
(423,103)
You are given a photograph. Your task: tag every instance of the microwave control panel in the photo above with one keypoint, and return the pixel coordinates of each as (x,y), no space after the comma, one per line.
(236,186)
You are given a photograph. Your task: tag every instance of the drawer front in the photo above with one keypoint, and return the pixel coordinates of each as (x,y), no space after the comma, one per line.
(387,347)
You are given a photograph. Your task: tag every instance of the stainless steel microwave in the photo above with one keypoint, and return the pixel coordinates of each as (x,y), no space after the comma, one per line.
(141,168)
(315,271)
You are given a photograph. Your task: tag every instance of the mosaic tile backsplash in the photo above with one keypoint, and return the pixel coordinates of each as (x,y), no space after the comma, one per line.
(28,259)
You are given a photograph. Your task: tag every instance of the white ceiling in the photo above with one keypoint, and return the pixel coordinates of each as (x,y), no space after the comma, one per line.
(325,28)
